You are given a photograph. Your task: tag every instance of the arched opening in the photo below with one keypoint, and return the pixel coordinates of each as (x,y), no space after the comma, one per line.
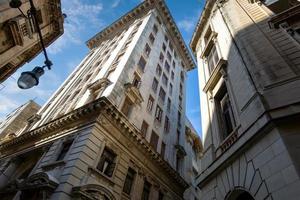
(239,194)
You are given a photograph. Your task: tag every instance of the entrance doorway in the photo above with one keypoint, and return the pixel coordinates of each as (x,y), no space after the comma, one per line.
(239,194)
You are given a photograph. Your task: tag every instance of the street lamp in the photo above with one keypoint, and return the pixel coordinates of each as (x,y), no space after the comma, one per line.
(31,78)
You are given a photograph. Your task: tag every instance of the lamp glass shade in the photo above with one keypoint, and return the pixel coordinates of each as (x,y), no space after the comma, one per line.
(29,79)
(15,3)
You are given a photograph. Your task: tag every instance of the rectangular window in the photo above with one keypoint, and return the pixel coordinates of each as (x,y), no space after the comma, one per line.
(164,47)
(180,102)
(142,64)
(167,66)
(179,120)
(172,75)
(173,63)
(171,47)
(146,191)
(166,38)
(170,89)
(212,59)
(155,29)
(182,76)
(129,181)
(163,149)
(158,70)
(64,150)
(151,38)
(162,94)
(178,137)
(136,81)
(226,111)
(158,113)
(154,140)
(178,163)
(147,50)
(155,85)
(144,128)
(167,125)
(161,57)
(150,103)
(165,79)
(160,196)
(127,107)
(169,105)
(169,56)
(180,89)
(107,162)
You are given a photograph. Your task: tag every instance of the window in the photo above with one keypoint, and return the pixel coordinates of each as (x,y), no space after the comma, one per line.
(142,63)
(226,111)
(207,35)
(173,63)
(164,47)
(163,149)
(170,89)
(162,94)
(150,103)
(155,85)
(154,140)
(171,47)
(161,57)
(144,128)
(136,81)
(169,105)
(167,66)
(64,150)
(127,107)
(158,20)
(212,59)
(155,29)
(175,54)
(169,56)
(129,181)
(158,70)
(167,125)
(179,120)
(166,38)
(147,50)
(160,196)
(172,75)
(158,113)
(180,102)
(151,38)
(107,162)
(177,137)
(182,76)
(165,79)
(180,89)
(146,190)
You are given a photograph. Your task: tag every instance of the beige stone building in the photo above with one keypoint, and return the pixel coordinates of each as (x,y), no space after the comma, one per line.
(248,57)
(116,128)
(17,120)
(19,42)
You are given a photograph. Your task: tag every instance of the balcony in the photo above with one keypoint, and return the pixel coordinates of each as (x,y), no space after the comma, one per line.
(133,93)
(180,150)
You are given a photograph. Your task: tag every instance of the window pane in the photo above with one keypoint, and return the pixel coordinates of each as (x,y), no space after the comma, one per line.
(154,140)
(129,181)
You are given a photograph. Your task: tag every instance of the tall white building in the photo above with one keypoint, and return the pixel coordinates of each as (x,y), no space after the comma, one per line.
(116,128)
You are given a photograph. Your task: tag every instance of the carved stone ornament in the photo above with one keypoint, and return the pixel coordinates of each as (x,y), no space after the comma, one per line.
(92,192)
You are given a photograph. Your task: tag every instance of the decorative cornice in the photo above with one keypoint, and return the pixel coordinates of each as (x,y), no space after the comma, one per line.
(140,10)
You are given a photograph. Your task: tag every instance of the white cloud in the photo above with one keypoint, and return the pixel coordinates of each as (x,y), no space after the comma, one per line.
(186,25)
(80,16)
(115,3)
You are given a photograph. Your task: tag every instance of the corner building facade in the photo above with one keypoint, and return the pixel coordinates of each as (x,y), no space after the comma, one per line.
(248,59)
(116,128)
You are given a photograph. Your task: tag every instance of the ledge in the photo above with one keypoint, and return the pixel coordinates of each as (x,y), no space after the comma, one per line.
(101,175)
(53,165)
(215,75)
(209,44)
(288,14)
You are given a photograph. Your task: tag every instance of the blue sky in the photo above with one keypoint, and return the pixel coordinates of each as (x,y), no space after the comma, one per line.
(85,18)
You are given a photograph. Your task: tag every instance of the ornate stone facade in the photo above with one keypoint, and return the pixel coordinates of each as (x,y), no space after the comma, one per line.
(248,54)
(19,41)
(116,128)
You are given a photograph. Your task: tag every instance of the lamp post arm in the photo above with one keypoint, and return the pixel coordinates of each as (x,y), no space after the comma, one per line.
(48,63)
